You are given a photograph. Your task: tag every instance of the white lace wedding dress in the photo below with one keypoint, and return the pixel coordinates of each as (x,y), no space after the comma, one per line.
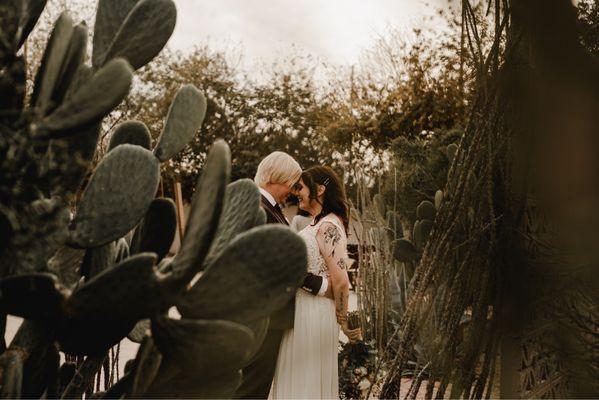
(307,362)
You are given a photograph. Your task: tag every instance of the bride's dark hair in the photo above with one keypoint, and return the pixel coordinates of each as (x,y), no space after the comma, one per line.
(335,200)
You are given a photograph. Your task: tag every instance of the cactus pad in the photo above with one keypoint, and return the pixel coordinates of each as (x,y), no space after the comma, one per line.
(93,101)
(184,119)
(30,12)
(379,204)
(139,331)
(438,199)
(157,230)
(258,279)
(451,152)
(104,310)
(74,58)
(206,208)
(426,210)
(34,296)
(144,32)
(51,66)
(132,132)
(145,367)
(422,230)
(116,199)
(242,202)
(405,251)
(203,347)
(109,17)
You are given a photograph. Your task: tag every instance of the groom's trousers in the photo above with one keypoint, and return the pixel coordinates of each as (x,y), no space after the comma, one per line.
(258,376)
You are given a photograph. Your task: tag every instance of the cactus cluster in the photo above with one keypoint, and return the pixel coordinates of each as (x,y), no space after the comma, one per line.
(407,251)
(85,273)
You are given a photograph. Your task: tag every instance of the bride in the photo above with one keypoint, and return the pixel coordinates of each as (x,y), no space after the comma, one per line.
(307,362)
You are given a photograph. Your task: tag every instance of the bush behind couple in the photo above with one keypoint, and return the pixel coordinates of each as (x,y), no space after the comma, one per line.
(298,358)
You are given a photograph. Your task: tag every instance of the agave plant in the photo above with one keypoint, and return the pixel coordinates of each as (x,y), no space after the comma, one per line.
(85,274)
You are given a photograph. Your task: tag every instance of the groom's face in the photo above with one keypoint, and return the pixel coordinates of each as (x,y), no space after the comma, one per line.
(283,190)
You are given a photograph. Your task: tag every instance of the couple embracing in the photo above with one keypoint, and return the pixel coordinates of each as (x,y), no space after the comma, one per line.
(298,358)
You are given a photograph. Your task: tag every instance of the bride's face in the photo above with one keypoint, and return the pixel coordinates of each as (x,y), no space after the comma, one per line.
(303,194)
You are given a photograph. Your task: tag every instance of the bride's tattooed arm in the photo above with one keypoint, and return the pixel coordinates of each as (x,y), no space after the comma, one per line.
(333,247)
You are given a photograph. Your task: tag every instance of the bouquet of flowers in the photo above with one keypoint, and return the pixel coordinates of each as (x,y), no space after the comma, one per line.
(357,365)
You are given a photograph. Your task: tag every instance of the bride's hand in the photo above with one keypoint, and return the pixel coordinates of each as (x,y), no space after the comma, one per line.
(354,335)
(329,293)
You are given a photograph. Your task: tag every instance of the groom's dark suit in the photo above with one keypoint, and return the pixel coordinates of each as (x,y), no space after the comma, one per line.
(258,376)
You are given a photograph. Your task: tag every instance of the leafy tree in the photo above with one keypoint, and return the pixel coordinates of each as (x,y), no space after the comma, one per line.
(284,112)
(588,24)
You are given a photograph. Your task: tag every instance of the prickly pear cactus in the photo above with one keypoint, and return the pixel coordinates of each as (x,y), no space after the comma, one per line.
(85,277)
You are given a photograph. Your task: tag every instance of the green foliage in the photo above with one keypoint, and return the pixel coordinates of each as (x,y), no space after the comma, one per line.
(419,169)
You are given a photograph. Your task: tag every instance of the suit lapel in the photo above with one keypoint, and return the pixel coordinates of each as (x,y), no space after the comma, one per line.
(274,214)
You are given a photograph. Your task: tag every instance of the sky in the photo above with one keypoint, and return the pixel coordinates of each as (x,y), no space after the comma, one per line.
(334,31)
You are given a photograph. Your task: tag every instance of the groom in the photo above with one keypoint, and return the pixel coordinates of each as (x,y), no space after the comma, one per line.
(276,176)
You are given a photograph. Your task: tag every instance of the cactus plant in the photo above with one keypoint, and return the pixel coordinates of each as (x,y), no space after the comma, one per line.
(132,132)
(405,251)
(451,151)
(426,210)
(157,230)
(185,116)
(100,217)
(72,276)
(438,199)
(422,229)
(379,204)
(394,225)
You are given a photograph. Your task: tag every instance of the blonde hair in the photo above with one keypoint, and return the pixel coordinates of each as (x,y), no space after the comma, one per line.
(277,167)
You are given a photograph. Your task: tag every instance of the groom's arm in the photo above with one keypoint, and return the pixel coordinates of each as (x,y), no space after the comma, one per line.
(316,285)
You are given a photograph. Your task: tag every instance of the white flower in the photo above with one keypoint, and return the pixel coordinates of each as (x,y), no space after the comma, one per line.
(361,371)
(364,385)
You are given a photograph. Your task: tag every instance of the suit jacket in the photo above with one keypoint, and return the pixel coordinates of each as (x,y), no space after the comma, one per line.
(283,319)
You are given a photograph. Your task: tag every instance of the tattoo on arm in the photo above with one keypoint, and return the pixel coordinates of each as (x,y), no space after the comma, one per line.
(332,237)
(341,264)
(341,307)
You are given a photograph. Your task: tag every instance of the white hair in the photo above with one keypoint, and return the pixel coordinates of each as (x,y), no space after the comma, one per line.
(277,167)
